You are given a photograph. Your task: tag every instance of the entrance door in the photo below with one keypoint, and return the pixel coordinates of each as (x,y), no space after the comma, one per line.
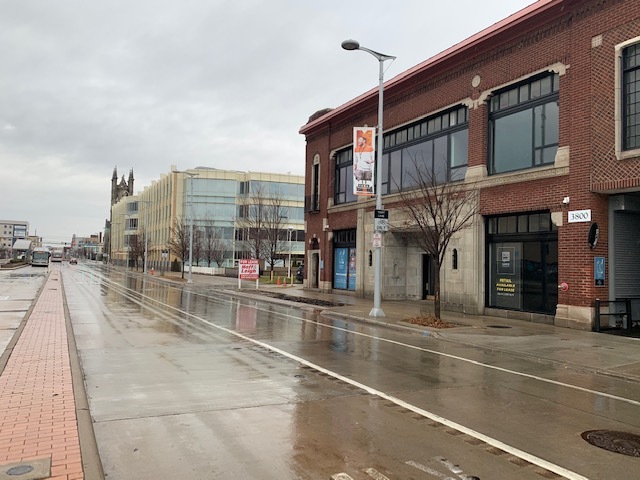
(427,275)
(540,276)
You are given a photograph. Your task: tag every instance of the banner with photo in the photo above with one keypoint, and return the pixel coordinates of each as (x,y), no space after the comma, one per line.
(364,160)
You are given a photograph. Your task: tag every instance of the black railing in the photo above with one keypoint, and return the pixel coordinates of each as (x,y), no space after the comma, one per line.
(623,314)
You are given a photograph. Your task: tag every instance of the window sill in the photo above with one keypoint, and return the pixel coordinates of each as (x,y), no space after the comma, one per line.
(627,154)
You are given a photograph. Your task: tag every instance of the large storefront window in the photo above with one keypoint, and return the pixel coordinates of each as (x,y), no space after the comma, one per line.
(523,263)
(434,149)
(344,260)
(523,125)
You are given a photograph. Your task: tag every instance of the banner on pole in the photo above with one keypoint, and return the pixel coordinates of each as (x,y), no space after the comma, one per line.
(364,160)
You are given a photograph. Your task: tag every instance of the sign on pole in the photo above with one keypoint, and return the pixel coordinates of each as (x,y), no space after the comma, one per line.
(364,159)
(381,220)
(377,240)
(248,269)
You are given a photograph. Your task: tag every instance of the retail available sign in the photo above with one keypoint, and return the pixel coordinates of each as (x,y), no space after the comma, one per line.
(576,216)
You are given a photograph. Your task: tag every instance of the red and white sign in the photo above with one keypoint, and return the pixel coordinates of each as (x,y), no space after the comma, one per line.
(249,269)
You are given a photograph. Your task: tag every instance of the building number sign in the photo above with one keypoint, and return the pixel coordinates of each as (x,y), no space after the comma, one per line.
(576,216)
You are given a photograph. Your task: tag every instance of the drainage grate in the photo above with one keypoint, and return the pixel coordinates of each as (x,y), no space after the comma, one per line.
(35,469)
(498,326)
(618,442)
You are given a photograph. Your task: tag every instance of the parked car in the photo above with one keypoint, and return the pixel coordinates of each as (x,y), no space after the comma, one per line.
(300,273)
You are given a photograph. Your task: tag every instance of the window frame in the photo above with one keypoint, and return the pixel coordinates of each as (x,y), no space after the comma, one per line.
(429,129)
(344,167)
(625,94)
(516,99)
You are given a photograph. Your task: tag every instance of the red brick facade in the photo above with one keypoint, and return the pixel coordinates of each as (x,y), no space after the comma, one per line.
(575,39)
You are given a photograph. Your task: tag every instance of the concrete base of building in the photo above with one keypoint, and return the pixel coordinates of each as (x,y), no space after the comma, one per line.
(516,315)
(571,316)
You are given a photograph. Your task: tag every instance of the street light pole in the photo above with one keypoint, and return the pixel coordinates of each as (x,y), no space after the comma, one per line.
(290,229)
(376,311)
(146,229)
(191,175)
(124,234)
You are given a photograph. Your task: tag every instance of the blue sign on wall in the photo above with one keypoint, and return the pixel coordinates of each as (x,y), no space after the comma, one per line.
(598,271)
(340,268)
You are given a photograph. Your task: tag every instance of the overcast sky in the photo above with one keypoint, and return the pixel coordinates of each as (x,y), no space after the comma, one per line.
(86,86)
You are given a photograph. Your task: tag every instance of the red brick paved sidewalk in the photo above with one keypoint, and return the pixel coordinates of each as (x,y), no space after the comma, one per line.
(37,405)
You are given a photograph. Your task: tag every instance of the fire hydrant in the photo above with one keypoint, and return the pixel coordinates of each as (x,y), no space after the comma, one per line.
(151,271)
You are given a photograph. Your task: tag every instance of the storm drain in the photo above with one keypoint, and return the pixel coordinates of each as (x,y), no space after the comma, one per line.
(618,442)
(498,326)
(35,469)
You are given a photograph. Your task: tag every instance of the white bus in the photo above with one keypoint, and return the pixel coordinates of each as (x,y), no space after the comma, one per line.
(56,255)
(40,257)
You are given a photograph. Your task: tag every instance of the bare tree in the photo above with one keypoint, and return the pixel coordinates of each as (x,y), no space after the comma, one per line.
(213,246)
(276,218)
(137,247)
(439,208)
(263,218)
(197,250)
(179,243)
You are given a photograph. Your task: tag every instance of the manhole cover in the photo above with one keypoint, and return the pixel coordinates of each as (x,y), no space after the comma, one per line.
(619,442)
(20,470)
(498,326)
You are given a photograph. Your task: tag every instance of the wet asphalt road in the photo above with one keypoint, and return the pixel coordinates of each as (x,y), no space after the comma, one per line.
(199,385)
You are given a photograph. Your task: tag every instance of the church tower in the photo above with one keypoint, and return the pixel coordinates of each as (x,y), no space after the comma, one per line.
(122,189)
(118,191)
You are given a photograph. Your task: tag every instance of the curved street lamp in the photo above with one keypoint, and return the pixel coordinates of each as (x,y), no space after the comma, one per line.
(376,311)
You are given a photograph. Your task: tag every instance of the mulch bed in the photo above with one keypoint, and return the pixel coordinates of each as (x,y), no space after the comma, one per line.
(431,321)
(294,298)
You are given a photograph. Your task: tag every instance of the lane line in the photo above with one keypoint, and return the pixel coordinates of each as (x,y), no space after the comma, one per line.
(557,469)
(629,401)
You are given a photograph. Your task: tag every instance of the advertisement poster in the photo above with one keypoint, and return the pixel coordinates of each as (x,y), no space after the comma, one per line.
(249,269)
(340,268)
(352,269)
(364,160)
(506,275)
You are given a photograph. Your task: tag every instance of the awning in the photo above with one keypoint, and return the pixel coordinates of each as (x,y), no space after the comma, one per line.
(22,244)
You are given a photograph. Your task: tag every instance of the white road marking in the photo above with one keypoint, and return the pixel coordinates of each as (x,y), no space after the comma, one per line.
(376,475)
(557,469)
(341,476)
(452,467)
(429,470)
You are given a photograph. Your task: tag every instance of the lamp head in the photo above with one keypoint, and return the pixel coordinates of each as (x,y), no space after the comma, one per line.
(350,45)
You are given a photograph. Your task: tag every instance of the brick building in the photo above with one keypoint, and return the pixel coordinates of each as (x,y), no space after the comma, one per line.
(540,113)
